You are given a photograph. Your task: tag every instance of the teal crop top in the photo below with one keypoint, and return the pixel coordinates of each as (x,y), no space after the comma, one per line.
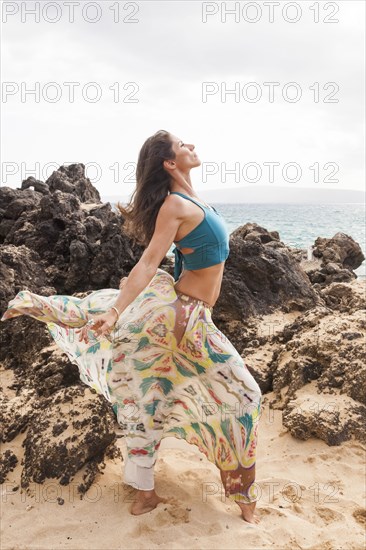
(209,239)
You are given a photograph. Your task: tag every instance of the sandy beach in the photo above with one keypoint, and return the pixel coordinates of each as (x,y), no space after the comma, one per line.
(310,496)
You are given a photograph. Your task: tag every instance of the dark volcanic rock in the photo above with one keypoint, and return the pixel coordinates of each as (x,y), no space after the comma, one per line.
(74,427)
(335,422)
(68,238)
(325,347)
(39,369)
(325,350)
(344,297)
(71,179)
(36,184)
(338,257)
(340,249)
(15,414)
(22,340)
(20,269)
(8,461)
(261,275)
(14,202)
(51,371)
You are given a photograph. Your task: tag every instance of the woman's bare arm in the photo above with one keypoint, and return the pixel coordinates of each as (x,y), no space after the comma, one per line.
(166,227)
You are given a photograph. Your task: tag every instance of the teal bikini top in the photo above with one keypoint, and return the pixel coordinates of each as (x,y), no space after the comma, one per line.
(209,239)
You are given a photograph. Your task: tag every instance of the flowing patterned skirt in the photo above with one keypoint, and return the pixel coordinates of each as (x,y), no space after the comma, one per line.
(166,369)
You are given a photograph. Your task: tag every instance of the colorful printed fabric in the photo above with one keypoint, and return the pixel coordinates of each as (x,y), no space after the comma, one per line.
(197,389)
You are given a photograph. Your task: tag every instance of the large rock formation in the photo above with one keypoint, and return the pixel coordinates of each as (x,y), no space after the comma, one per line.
(53,243)
(262,275)
(316,366)
(338,256)
(73,427)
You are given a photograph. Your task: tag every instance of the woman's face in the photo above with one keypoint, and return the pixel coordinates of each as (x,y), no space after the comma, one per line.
(185,156)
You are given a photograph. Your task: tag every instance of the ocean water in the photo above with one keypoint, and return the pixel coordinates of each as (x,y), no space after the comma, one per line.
(299,225)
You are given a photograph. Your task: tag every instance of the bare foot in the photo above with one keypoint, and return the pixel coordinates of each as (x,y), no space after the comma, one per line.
(145,502)
(247,512)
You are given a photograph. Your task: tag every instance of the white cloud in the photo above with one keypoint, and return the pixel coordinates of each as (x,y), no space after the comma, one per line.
(169,53)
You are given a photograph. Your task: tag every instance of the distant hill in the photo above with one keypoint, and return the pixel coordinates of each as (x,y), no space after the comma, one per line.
(269,194)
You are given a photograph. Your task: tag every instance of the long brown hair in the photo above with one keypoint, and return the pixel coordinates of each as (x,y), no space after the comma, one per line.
(152,186)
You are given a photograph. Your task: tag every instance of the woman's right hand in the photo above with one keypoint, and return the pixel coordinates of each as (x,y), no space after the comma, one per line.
(100,323)
(108,318)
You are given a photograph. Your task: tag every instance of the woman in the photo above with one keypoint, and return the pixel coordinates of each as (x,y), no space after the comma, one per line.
(153,351)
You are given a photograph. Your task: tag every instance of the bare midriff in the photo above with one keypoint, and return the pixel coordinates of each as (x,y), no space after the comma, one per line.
(203,284)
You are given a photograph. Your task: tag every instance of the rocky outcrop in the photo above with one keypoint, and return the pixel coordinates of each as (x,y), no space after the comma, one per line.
(68,426)
(333,419)
(340,249)
(68,179)
(73,427)
(344,298)
(37,185)
(324,346)
(316,368)
(8,461)
(338,256)
(261,275)
(20,268)
(69,239)
(72,180)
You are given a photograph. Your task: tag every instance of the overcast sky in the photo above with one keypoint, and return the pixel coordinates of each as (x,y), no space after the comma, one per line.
(168,50)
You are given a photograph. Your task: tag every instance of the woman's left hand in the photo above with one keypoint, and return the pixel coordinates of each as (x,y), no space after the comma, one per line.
(100,323)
